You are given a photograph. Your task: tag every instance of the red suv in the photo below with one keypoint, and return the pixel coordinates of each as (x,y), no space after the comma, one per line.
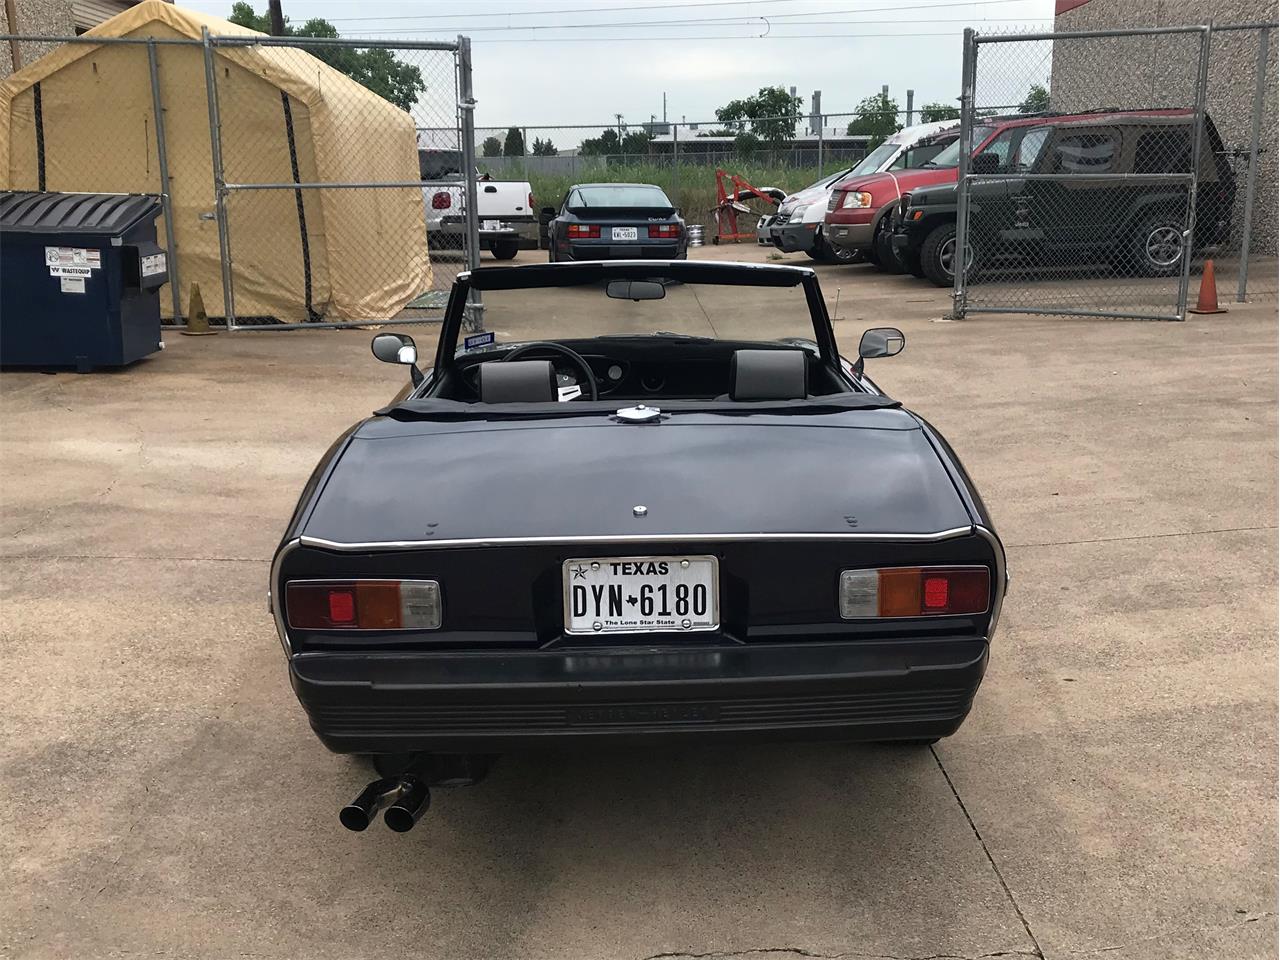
(858,211)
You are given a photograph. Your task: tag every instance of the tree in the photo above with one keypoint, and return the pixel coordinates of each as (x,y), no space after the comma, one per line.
(1037,100)
(771,114)
(544,148)
(877,118)
(745,145)
(636,141)
(608,142)
(513,146)
(932,112)
(376,69)
(492,147)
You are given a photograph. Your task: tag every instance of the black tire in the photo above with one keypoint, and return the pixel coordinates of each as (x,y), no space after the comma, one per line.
(504,249)
(911,260)
(936,253)
(1155,250)
(886,260)
(830,253)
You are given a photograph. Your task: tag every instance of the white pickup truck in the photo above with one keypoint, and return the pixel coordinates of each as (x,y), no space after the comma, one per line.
(505,207)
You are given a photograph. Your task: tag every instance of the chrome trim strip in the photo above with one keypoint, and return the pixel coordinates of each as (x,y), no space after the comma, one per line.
(276,612)
(1002,575)
(383,545)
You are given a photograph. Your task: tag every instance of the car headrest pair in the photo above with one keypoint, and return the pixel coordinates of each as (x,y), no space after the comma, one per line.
(753,375)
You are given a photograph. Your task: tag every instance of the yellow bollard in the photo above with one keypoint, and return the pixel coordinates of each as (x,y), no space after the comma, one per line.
(197,319)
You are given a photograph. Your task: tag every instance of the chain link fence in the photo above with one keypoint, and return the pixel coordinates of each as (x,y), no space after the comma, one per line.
(288,167)
(1109,202)
(779,155)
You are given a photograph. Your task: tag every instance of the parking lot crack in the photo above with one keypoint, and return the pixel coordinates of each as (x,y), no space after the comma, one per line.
(1143,536)
(1013,902)
(802,952)
(1214,928)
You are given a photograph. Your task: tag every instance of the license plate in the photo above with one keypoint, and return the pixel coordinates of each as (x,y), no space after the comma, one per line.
(641,595)
(626,233)
(491,225)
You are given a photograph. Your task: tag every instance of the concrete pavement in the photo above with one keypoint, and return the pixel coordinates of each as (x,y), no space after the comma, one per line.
(1112,795)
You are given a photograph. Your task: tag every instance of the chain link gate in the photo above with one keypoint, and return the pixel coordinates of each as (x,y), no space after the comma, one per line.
(338,229)
(1084,209)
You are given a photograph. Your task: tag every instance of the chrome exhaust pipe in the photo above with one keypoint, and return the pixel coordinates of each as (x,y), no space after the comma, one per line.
(410,804)
(359,813)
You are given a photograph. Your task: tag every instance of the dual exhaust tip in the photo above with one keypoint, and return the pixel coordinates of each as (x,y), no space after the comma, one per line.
(405,799)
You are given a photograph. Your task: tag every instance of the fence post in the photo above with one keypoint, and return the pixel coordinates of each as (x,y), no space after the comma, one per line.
(166,201)
(467,107)
(968,79)
(1251,183)
(675,163)
(219,180)
(1197,140)
(821,124)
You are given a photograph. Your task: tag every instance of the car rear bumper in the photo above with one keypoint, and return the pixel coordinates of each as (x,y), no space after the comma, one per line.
(793,237)
(494,701)
(626,251)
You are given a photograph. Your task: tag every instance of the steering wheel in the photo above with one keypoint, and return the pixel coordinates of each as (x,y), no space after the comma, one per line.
(574,357)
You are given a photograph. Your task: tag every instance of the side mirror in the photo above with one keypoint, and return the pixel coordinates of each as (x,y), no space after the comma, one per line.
(881,342)
(986,163)
(635,290)
(549,213)
(398,348)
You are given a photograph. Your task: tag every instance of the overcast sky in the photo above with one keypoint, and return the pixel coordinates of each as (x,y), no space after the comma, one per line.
(538,62)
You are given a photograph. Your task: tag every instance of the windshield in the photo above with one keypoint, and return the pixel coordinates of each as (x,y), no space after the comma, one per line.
(872,162)
(618,195)
(951,155)
(704,310)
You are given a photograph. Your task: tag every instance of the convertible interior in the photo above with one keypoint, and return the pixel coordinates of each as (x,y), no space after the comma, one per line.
(640,369)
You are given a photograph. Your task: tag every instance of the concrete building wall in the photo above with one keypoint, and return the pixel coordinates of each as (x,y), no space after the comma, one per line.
(48,17)
(1160,72)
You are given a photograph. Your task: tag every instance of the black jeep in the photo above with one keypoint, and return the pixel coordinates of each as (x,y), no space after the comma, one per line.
(1057,200)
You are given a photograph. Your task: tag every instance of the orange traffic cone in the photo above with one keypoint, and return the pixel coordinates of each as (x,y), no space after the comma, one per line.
(1207,302)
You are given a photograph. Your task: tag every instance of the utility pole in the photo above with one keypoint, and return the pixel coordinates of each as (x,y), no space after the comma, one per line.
(277,18)
(664,106)
(619,118)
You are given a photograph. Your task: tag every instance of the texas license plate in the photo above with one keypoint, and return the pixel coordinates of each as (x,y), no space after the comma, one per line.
(641,595)
(490,225)
(626,233)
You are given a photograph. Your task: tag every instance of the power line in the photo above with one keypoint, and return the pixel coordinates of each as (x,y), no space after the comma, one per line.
(753,17)
(530,13)
(754,22)
(732,36)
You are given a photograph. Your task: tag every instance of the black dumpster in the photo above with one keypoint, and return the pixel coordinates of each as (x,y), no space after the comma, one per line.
(81,279)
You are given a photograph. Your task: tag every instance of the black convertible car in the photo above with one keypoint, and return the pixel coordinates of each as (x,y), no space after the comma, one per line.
(664,508)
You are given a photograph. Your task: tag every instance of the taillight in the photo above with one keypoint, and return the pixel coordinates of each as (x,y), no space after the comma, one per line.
(441,201)
(363,604)
(531,200)
(584,231)
(664,231)
(914,592)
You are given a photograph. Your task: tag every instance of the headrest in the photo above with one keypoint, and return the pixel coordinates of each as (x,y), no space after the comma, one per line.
(768,375)
(520,381)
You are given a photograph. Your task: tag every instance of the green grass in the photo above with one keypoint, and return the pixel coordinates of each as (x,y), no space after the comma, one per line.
(692,187)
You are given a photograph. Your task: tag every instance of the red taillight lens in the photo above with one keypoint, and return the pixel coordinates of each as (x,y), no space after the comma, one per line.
(363,605)
(441,201)
(531,201)
(664,231)
(584,231)
(914,592)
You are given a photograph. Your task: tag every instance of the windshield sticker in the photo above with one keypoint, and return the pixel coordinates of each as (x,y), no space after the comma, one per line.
(477,341)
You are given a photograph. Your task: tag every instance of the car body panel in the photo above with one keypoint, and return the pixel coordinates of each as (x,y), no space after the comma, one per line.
(491,500)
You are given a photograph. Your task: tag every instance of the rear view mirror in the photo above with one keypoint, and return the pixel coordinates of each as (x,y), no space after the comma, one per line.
(986,163)
(636,290)
(881,342)
(394,348)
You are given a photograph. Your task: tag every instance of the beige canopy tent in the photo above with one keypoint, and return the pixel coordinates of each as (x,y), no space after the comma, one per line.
(81,118)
